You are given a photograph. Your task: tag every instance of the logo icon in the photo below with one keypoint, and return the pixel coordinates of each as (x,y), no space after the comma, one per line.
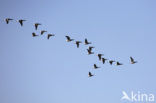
(125,96)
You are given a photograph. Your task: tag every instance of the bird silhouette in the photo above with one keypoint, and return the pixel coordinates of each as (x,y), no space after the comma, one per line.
(43,31)
(36,25)
(69,39)
(132,61)
(8,19)
(34,34)
(111,62)
(117,63)
(49,35)
(90,74)
(21,21)
(100,56)
(90,48)
(78,43)
(90,52)
(103,60)
(95,66)
(86,42)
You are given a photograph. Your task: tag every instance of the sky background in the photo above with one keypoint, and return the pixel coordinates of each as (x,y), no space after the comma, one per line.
(37,70)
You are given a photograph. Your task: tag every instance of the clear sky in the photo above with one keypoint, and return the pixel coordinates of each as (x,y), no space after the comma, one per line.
(37,70)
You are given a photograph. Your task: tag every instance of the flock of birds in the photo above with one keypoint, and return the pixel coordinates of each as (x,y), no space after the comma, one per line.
(69,39)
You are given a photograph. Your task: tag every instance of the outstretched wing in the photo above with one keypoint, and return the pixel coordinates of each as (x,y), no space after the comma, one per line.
(132,60)
(77,44)
(86,41)
(68,37)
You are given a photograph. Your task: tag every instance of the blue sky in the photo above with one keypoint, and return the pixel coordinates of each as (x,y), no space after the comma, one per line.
(37,70)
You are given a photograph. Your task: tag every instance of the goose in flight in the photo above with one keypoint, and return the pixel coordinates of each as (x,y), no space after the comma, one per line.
(21,22)
(86,42)
(132,61)
(117,63)
(78,43)
(90,48)
(90,74)
(69,39)
(111,62)
(36,25)
(100,56)
(103,60)
(8,19)
(90,52)
(34,34)
(42,32)
(95,66)
(49,35)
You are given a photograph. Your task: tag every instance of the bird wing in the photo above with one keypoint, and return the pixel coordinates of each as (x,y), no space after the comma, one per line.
(68,37)
(77,44)
(36,26)
(86,41)
(95,66)
(99,55)
(7,21)
(103,60)
(21,22)
(90,73)
(33,34)
(132,60)
(49,35)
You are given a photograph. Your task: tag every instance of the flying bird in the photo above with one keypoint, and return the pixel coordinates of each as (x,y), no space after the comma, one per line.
(21,22)
(36,25)
(78,43)
(42,32)
(49,35)
(90,52)
(90,74)
(34,34)
(8,19)
(90,48)
(86,42)
(117,63)
(95,66)
(69,39)
(111,62)
(132,61)
(100,56)
(103,60)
